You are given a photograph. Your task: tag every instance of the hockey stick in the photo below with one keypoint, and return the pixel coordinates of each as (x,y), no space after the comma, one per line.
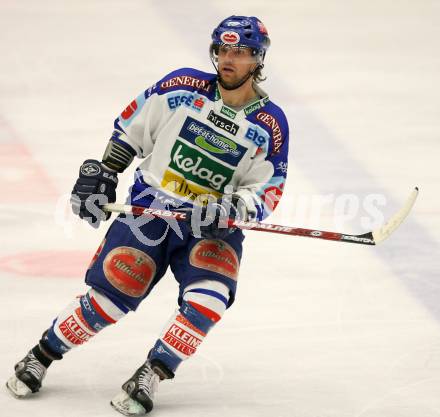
(370,238)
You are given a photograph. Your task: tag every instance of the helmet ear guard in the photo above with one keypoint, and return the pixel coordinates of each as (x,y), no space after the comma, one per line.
(213,52)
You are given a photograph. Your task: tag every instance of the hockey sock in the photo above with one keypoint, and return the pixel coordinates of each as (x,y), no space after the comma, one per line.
(77,323)
(203,305)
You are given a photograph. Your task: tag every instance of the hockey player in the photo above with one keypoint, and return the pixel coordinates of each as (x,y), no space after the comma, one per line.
(215,143)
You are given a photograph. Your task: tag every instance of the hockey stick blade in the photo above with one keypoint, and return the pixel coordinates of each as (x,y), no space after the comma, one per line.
(370,238)
(391,225)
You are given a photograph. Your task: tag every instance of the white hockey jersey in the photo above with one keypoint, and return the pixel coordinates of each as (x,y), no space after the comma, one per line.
(192,144)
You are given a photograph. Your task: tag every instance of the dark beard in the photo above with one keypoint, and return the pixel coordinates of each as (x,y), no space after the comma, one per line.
(232,86)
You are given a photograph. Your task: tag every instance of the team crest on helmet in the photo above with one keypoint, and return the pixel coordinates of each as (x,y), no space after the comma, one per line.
(230,37)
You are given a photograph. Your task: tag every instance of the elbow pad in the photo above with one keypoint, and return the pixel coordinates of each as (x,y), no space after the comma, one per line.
(117,156)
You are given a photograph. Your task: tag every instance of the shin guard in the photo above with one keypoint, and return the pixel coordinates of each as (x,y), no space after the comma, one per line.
(203,305)
(80,321)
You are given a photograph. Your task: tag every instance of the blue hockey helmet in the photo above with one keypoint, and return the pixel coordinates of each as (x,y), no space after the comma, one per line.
(245,31)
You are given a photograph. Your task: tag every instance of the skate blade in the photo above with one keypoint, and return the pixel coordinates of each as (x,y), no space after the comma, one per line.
(17,388)
(127,406)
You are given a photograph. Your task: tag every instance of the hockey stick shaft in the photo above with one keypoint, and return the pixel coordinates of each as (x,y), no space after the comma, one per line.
(370,238)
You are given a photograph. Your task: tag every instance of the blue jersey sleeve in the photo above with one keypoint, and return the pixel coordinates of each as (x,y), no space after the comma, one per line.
(267,175)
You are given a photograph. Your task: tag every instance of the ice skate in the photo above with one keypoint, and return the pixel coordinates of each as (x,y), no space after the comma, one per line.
(29,374)
(136,397)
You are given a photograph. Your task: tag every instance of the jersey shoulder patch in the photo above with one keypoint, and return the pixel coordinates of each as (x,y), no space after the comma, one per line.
(188,79)
(272,119)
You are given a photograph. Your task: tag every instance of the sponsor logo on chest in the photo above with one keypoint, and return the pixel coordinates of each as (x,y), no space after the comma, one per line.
(202,161)
(193,101)
(223,123)
(255,106)
(199,168)
(228,112)
(177,184)
(204,137)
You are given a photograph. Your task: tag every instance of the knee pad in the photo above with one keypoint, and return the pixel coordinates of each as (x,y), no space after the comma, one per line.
(208,297)
(98,310)
(81,320)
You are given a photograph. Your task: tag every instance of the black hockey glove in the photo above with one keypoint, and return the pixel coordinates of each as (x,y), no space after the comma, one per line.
(211,221)
(95,187)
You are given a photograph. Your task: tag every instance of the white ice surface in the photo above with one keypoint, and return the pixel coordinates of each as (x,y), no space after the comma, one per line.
(319,329)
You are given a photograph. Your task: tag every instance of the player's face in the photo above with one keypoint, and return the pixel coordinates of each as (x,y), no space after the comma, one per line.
(234,63)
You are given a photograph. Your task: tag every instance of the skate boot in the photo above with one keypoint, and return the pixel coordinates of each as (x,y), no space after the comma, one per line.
(29,374)
(136,397)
